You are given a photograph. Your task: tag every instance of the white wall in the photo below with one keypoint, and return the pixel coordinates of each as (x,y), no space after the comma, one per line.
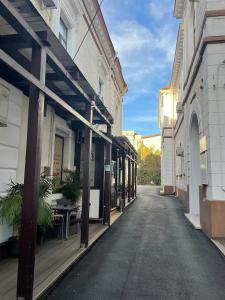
(206,103)
(9,144)
(167,158)
(89,59)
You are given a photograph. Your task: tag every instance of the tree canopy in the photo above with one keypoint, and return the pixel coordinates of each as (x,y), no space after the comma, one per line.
(149,166)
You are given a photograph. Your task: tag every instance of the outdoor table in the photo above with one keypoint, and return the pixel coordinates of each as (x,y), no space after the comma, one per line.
(66,210)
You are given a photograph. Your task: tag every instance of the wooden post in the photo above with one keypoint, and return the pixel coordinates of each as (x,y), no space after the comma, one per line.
(133,178)
(108,179)
(31,180)
(120,181)
(100,173)
(117,176)
(129,178)
(124,180)
(86,179)
(78,134)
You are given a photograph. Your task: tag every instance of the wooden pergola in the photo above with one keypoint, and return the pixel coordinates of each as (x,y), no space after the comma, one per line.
(123,151)
(36,63)
(33,60)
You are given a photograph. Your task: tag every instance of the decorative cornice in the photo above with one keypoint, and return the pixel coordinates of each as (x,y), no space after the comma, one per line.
(103,36)
(178,54)
(179,8)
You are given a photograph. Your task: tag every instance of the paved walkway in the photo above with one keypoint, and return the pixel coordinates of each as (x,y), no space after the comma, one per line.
(151,252)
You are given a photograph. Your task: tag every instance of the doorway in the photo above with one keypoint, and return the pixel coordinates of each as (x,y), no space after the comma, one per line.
(195,173)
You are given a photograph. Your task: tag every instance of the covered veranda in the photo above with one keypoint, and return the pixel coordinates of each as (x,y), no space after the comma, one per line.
(37,64)
(124,166)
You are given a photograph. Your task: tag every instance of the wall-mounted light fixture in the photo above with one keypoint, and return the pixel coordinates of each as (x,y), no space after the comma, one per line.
(4,105)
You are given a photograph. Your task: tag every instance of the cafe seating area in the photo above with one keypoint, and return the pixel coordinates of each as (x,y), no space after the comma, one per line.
(53,257)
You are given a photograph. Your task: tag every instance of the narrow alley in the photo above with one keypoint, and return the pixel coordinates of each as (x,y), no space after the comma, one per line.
(151,252)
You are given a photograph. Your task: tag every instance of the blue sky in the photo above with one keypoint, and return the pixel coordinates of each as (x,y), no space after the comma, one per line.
(144,34)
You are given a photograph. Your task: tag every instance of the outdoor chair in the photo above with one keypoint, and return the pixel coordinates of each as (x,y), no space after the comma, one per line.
(58,222)
(75,218)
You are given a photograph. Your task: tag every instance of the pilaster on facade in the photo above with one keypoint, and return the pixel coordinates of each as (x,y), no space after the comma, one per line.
(197,91)
(179,8)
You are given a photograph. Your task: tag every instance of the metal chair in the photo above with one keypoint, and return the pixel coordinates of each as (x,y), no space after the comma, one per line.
(58,221)
(77,216)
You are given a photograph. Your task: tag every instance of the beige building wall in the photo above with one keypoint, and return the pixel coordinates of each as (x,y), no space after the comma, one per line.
(97,60)
(134,138)
(152,141)
(197,133)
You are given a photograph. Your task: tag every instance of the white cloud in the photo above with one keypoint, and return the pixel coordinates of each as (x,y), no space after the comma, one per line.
(144,35)
(159,9)
(142,51)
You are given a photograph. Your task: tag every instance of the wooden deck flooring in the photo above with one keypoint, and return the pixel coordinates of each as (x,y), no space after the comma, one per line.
(52,259)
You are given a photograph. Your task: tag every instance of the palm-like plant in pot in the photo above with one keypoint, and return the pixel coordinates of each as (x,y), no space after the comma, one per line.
(71,188)
(11,211)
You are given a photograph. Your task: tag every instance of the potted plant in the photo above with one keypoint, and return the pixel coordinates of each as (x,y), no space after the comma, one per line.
(71,188)
(11,211)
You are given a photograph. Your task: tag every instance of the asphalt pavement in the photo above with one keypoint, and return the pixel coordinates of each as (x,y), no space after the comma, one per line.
(151,252)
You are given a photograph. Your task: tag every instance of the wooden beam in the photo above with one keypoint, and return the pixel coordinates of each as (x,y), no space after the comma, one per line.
(12,16)
(31,180)
(18,56)
(108,179)
(48,92)
(14,40)
(53,77)
(101,115)
(86,179)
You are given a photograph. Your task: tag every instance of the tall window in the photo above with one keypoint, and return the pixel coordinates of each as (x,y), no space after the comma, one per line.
(100,88)
(63,33)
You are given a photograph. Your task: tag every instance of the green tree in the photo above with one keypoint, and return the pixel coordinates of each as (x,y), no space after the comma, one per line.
(149,166)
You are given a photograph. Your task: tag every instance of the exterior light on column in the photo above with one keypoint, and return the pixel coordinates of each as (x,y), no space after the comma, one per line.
(4,105)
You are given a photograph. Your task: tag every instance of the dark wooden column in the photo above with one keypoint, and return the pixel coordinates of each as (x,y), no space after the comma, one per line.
(120,181)
(124,180)
(86,179)
(133,178)
(117,175)
(100,173)
(77,158)
(31,180)
(129,178)
(108,179)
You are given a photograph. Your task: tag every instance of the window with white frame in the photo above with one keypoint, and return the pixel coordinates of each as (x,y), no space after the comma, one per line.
(63,33)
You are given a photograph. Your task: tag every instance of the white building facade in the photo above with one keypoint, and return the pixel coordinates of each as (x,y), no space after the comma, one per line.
(192,113)
(98,62)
